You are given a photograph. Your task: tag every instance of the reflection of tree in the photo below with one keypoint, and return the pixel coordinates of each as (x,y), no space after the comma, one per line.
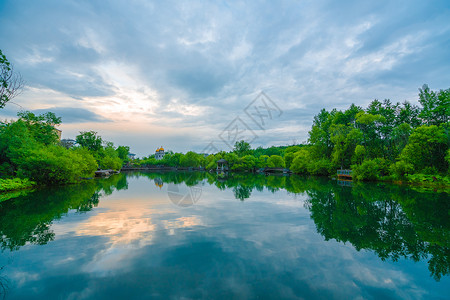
(393,221)
(27,219)
(242,192)
(381,218)
(3,284)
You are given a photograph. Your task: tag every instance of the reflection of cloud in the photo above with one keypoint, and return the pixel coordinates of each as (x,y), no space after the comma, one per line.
(182,222)
(121,227)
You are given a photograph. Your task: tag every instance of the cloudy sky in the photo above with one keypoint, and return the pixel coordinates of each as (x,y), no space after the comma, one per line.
(186,75)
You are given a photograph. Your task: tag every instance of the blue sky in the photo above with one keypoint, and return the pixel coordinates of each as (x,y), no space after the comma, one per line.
(177,74)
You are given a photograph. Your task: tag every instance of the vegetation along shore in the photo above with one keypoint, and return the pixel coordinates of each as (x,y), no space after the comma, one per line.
(385,141)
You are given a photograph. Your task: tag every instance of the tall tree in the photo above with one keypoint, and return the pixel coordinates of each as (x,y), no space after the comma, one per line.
(89,140)
(241,148)
(435,105)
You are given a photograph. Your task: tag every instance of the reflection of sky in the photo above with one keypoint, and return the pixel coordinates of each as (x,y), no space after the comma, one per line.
(138,244)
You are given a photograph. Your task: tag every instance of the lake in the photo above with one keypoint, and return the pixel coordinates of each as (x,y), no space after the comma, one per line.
(195,235)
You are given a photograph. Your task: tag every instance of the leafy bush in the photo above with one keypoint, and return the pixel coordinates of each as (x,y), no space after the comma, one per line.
(370,169)
(321,167)
(275,161)
(400,168)
(110,163)
(15,184)
(300,162)
(425,178)
(55,165)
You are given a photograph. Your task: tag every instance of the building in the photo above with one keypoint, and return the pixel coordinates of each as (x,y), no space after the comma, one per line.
(159,154)
(58,132)
(131,156)
(68,143)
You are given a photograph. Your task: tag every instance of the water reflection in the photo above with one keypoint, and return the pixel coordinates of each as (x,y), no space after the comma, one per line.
(392,221)
(27,219)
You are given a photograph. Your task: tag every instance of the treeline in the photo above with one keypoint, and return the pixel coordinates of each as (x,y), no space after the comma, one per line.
(385,141)
(242,158)
(30,149)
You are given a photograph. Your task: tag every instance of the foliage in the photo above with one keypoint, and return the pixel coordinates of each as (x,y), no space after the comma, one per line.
(321,166)
(370,169)
(400,169)
(122,152)
(436,106)
(55,165)
(301,161)
(29,148)
(109,158)
(11,83)
(436,179)
(426,147)
(90,140)
(15,184)
(407,138)
(241,148)
(275,161)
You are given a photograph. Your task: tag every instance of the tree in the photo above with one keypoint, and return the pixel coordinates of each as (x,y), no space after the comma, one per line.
(190,159)
(123,151)
(11,83)
(435,105)
(90,140)
(241,148)
(42,126)
(275,161)
(426,148)
(300,162)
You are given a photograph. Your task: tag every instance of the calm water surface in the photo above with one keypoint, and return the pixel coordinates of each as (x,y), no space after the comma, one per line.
(196,235)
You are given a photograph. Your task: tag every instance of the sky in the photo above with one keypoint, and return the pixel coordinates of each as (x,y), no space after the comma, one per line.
(197,75)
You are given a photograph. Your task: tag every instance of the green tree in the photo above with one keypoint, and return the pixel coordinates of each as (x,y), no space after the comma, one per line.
(427,148)
(275,161)
(123,151)
(42,127)
(300,162)
(360,152)
(190,159)
(435,106)
(242,148)
(109,158)
(90,140)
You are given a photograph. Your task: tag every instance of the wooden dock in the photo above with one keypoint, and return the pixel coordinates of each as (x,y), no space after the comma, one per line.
(345,174)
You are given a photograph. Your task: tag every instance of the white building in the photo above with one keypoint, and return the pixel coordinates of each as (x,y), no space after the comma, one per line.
(159,154)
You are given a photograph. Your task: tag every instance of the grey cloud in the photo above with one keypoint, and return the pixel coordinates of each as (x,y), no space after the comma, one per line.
(297,52)
(73,114)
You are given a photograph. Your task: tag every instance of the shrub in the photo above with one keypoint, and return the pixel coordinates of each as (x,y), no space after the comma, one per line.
(15,184)
(300,161)
(400,168)
(275,161)
(321,167)
(370,169)
(55,165)
(108,162)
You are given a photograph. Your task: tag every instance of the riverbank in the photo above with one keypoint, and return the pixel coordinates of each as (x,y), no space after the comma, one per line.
(14,184)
